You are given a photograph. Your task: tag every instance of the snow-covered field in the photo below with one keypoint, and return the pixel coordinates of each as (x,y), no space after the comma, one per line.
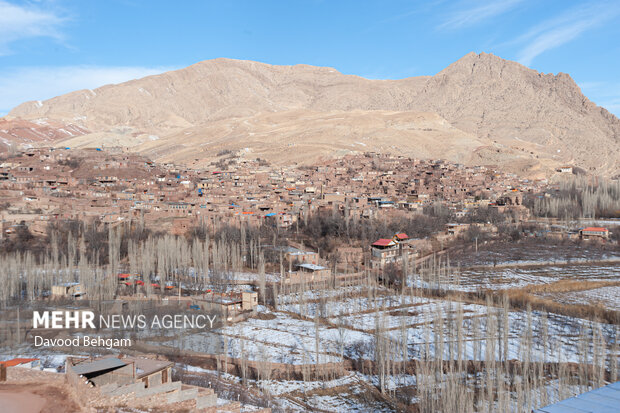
(283,339)
(532,253)
(506,278)
(412,320)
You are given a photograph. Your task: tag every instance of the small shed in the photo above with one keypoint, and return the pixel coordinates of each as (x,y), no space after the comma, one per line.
(249,300)
(68,290)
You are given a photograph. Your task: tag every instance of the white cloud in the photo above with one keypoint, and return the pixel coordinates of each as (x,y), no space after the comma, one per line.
(477,13)
(40,83)
(562,29)
(25,21)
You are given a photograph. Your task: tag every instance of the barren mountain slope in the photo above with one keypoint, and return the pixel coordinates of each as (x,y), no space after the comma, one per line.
(509,103)
(220,89)
(303,136)
(513,111)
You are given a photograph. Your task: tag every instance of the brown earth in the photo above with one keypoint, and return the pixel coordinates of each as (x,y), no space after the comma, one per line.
(34,391)
(14,401)
(23,132)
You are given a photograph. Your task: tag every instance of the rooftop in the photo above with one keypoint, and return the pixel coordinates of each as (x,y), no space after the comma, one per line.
(311,267)
(16,361)
(595,229)
(603,400)
(383,242)
(98,365)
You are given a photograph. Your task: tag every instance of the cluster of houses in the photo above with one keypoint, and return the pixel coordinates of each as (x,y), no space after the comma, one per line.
(42,185)
(112,186)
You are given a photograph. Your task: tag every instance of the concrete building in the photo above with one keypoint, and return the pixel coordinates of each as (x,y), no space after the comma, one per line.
(119,370)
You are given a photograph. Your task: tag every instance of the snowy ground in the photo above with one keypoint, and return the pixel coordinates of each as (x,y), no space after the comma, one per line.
(506,278)
(532,253)
(410,320)
(283,339)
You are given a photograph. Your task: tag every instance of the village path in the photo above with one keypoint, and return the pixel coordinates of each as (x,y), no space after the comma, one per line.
(20,402)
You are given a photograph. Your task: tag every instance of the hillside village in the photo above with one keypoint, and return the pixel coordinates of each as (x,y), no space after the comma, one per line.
(42,185)
(311,206)
(290,260)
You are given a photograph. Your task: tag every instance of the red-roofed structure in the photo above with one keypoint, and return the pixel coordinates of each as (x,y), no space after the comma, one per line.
(383,243)
(17,362)
(595,229)
(390,251)
(594,233)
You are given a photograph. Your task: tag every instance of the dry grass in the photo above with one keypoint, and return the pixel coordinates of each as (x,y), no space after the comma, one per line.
(521,299)
(566,286)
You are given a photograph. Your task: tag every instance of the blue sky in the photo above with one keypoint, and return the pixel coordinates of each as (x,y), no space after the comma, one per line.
(50,47)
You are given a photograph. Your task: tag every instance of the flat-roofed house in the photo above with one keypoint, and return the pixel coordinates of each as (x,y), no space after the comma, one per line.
(316,271)
(119,370)
(296,256)
(231,306)
(151,372)
(308,274)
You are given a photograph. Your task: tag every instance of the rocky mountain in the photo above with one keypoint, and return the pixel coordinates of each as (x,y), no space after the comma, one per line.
(525,110)
(479,110)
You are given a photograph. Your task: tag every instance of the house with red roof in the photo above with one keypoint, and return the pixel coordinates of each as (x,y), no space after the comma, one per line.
(383,252)
(388,251)
(402,237)
(594,233)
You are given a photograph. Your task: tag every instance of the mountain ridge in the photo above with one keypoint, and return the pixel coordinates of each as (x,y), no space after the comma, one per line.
(525,115)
